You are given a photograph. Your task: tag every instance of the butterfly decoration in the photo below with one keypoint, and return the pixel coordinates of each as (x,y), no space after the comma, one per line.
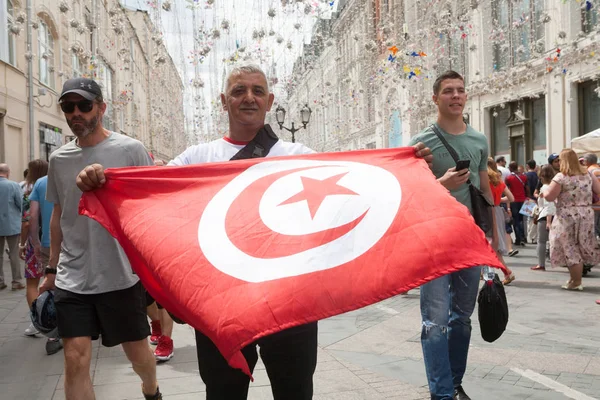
(393,49)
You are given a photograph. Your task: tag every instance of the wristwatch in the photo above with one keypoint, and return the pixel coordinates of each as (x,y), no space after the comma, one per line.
(49,270)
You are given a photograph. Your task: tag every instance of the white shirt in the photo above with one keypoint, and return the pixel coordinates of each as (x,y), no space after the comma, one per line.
(225,148)
(504,171)
(546,207)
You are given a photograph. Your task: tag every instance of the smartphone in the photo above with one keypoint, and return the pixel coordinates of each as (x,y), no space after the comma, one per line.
(462,164)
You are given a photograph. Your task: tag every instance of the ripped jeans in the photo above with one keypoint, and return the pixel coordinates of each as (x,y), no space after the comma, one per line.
(446,307)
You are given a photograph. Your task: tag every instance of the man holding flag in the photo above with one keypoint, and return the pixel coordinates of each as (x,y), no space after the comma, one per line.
(290,355)
(448,302)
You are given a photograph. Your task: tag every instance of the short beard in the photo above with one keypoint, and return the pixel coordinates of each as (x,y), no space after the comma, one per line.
(88,126)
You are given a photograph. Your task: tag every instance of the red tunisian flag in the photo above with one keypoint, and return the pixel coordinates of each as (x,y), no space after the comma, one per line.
(242,249)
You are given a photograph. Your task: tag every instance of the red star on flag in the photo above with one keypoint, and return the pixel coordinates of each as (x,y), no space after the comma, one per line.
(315,191)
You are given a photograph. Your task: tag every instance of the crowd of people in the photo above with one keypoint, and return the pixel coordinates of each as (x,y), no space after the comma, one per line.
(97,295)
(563,224)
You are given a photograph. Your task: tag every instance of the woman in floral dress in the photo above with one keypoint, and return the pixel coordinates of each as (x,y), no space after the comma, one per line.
(572,239)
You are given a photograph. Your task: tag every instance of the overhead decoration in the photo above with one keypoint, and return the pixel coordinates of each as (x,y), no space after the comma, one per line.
(293,39)
(63,7)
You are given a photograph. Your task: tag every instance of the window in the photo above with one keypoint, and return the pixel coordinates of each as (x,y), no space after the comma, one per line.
(457,57)
(105,80)
(589,101)
(500,142)
(517,29)
(50,140)
(538,120)
(589,16)
(12,44)
(46,54)
(76,65)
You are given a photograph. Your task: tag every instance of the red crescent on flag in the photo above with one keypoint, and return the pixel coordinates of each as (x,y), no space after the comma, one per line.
(247,231)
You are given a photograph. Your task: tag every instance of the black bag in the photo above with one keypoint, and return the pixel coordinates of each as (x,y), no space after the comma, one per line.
(492,309)
(481,206)
(258,147)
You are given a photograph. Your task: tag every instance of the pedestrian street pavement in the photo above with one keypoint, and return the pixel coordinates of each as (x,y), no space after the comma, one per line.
(551,350)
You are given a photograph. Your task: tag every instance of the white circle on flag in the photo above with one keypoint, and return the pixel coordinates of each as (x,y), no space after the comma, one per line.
(377,195)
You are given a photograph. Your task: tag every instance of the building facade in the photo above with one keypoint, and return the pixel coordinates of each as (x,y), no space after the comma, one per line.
(532,70)
(118,47)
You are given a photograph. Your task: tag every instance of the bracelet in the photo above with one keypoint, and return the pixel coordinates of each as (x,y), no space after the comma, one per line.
(50,270)
(22,246)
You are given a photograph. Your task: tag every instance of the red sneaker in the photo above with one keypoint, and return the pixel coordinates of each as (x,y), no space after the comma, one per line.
(156,332)
(164,350)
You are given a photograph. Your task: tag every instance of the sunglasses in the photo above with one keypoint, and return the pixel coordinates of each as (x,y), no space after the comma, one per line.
(85,106)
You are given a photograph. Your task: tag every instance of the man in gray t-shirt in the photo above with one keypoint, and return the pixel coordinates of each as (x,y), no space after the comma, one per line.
(101,267)
(95,290)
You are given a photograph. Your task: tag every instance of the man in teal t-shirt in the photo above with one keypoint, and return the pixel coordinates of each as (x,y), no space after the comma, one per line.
(41,206)
(470,145)
(40,211)
(448,301)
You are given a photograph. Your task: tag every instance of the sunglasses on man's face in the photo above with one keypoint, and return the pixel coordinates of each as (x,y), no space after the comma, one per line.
(85,106)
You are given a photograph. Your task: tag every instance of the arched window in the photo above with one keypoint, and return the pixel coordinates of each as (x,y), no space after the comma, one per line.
(46,54)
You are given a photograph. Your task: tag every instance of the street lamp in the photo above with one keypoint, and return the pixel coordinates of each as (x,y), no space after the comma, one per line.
(305,113)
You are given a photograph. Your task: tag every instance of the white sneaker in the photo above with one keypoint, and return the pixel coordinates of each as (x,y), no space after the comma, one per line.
(31,331)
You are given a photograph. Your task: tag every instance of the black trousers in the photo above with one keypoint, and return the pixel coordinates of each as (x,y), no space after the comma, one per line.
(290,357)
(518,222)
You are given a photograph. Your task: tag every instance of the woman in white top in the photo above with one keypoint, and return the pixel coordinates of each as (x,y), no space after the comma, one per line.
(547,210)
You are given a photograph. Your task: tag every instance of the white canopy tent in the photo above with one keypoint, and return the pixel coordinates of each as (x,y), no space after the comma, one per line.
(588,143)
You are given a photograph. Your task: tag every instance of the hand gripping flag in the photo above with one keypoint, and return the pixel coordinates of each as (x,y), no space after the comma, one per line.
(243,249)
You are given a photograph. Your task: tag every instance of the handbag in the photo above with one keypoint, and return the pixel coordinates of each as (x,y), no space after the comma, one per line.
(481,206)
(258,147)
(492,309)
(535,214)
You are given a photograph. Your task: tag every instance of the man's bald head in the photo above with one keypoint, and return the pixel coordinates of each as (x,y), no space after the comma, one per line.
(4,170)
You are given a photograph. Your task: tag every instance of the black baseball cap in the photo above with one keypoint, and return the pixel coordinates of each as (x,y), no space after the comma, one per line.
(87,88)
(552,157)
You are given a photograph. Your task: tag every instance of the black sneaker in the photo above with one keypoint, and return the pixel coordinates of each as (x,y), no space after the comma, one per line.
(459,394)
(155,396)
(53,346)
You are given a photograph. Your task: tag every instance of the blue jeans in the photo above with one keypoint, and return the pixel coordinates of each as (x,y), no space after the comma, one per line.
(446,307)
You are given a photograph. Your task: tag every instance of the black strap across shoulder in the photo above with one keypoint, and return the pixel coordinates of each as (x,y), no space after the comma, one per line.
(258,147)
(451,150)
